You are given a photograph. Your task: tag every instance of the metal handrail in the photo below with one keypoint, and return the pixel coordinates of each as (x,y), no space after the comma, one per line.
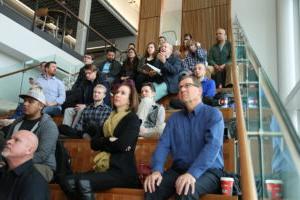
(32,67)
(246,166)
(267,87)
(89,27)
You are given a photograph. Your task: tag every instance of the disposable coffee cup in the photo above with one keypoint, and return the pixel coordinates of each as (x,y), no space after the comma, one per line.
(227,185)
(274,189)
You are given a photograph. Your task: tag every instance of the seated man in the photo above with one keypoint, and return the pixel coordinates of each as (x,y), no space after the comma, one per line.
(151,113)
(170,66)
(93,115)
(87,60)
(195,55)
(219,59)
(194,138)
(53,89)
(83,95)
(208,87)
(20,179)
(43,127)
(110,68)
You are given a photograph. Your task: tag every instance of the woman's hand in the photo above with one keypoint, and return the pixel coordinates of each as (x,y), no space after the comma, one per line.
(113,139)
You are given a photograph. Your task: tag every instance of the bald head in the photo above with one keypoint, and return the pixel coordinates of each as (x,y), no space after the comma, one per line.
(20,147)
(221,35)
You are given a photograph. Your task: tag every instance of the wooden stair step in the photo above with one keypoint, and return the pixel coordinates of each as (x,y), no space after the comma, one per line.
(82,155)
(125,194)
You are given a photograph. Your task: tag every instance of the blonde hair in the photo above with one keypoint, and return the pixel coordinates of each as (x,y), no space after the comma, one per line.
(100,86)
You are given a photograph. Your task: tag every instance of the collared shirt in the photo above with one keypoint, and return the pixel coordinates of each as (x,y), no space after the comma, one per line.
(208,87)
(220,56)
(53,88)
(91,113)
(194,140)
(190,61)
(24,182)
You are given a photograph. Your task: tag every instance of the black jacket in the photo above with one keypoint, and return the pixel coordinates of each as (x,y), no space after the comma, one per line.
(114,70)
(170,71)
(122,150)
(24,182)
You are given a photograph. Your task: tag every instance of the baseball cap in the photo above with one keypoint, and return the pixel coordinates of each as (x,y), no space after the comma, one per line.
(35,92)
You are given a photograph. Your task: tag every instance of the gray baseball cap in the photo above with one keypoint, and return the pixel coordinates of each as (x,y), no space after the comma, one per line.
(36,93)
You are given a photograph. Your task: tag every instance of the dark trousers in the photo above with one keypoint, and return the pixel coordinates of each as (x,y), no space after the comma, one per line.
(220,78)
(208,183)
(98,181)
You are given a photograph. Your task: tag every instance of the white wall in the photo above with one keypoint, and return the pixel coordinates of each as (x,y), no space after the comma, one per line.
(258,19)
(171,21)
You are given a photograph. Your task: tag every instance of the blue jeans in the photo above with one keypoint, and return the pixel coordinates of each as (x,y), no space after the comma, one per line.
(52,110)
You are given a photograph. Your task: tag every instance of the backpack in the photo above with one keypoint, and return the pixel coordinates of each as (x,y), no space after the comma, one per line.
(63,162)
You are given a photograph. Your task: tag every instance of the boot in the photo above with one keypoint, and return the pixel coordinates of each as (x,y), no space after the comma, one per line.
(85,190)
(68,185)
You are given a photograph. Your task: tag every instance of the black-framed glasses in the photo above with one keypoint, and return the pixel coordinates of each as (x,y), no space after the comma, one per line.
(188,85)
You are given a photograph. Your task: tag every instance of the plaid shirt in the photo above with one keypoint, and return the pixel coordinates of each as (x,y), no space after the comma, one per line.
(190,61)
(91,113)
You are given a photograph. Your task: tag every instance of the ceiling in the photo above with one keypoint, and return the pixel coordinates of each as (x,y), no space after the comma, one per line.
(101,19)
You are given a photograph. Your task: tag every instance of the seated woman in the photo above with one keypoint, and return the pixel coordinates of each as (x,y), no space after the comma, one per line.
(143,75)
(115,163)
(151,113)
(128,71)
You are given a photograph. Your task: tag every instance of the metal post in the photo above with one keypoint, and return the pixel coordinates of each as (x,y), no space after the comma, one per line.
(34,16)
(64,29)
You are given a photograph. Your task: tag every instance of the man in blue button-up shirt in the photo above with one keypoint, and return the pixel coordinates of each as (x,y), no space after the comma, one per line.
(53,89)
(194,138)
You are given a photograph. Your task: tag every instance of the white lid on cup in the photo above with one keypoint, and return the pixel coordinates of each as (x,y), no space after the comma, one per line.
(273,181)
(227,179)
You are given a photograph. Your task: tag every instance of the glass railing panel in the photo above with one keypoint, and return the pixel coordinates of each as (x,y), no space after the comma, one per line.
(273,141)
(17,81)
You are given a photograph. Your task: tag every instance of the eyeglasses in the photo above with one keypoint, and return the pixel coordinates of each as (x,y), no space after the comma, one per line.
(188,85)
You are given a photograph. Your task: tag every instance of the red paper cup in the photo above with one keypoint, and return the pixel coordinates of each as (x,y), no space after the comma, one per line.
(227,185)
(274,188)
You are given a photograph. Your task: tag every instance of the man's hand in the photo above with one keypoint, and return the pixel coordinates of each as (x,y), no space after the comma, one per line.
(161,57)
(217,68)
(152,181)
(222,67)
(183,184)
(112,139)
(79,107)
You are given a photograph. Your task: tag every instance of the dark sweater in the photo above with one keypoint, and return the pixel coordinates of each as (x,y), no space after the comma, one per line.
(122,150)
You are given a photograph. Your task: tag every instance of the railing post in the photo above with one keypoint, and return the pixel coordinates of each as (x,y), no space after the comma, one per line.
(64,29)
(36,6)
(86,39)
